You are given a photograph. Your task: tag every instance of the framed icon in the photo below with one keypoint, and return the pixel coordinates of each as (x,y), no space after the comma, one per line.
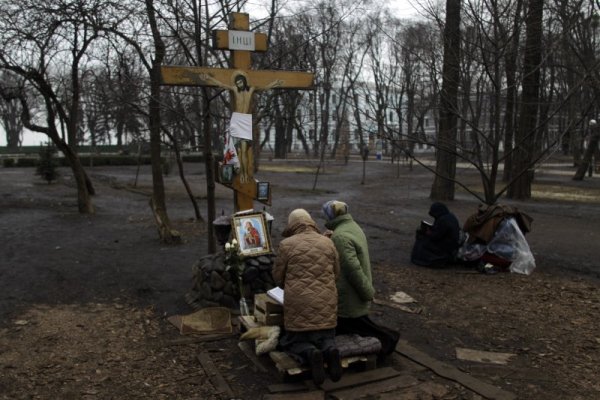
(226,173)
(263,191)
(250,231)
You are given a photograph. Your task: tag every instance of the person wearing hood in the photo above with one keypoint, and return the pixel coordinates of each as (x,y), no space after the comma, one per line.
(437,245)
(307,267)
(355,285)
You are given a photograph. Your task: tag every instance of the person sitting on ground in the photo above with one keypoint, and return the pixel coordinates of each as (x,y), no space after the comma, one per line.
(306,267)
(437,244)
(355,285)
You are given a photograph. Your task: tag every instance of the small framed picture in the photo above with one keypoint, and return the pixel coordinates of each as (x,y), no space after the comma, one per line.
(226,173)
(262,191)
(250,230)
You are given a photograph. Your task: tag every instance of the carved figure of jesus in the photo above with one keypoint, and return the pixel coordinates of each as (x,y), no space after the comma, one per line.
(242,99)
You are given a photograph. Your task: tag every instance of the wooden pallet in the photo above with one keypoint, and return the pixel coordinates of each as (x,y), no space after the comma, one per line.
(267,311)
(288,366)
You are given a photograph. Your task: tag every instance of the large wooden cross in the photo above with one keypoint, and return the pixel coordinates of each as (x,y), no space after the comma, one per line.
(241,82)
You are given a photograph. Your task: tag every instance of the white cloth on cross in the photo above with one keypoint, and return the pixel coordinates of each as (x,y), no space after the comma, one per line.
(241,126)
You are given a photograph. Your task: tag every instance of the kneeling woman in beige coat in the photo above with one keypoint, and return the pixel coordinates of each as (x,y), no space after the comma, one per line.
(306,267)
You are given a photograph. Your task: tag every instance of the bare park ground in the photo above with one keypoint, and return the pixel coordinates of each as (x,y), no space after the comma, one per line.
(83,299)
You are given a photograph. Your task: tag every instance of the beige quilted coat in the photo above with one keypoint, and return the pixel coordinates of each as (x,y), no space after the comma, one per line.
(306,267)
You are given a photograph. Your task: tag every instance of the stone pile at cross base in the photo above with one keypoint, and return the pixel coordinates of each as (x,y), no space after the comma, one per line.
(216,284)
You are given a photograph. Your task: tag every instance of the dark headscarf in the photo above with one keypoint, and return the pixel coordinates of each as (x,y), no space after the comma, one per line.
(438,209)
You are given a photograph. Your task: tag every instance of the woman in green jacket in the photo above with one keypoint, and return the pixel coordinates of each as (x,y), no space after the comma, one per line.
(355,284)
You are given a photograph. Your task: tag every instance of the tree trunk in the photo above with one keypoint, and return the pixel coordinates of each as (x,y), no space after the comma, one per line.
(206,129)
(445,169)
(157,202)
(12,124)
(511,95)
(587,156)
(84,201)
(524,144)
(186,185)
(84,186)
(209,166)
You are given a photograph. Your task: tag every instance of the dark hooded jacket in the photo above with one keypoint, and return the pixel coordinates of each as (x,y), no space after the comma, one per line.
(438,245)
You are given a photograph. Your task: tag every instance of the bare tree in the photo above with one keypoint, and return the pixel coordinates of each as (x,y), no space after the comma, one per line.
(10,119)
(127,87)
(157,202)
(524,140)
(96,106)
(443,185)
(581,29)
(33,38)
(289,49)
(511,87)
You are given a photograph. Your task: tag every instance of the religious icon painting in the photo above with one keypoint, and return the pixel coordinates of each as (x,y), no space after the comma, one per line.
(263,191)
(226,174)
(250,231)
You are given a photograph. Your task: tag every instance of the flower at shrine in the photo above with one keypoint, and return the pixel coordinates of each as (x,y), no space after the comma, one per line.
(235,262)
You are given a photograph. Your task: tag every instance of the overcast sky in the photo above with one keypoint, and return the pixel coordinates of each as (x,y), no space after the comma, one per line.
(402,8)
(256,9)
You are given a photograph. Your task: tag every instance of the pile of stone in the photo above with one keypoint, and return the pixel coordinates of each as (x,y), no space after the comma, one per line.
(217,284)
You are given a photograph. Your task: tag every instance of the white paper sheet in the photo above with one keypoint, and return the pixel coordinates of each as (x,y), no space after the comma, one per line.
(276,294)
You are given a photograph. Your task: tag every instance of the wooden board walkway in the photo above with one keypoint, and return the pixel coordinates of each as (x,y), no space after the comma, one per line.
(356,385)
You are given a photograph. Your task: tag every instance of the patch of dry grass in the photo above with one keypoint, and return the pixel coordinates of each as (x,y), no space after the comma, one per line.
(565,193)
(287,168)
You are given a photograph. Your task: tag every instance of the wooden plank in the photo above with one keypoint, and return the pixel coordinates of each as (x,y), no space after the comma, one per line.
(314,395)
(268,319)
(214,376)
(246,348)
(447,371)
(239,21)
(483,356)
(286,363)
(388,385)
(189,76)
(407,365)
(192,340)
(247,189)
(287,387)
(221,40)
(266,304)
(360,378)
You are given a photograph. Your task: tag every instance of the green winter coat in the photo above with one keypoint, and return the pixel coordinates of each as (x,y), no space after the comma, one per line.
(355,285)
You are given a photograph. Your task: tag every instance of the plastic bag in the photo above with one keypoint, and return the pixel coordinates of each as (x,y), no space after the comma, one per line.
(471,251)
(510,243)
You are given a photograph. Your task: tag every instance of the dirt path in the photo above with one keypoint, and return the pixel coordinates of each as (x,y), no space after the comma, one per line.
(83,298)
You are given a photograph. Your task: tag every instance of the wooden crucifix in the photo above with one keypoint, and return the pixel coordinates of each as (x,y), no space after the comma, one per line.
(242,82)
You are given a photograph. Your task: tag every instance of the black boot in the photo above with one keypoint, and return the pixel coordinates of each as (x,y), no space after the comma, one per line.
(334,364)
(316,367)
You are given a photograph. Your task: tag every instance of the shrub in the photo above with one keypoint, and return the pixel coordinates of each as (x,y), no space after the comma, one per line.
(47,164)
(27,162)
